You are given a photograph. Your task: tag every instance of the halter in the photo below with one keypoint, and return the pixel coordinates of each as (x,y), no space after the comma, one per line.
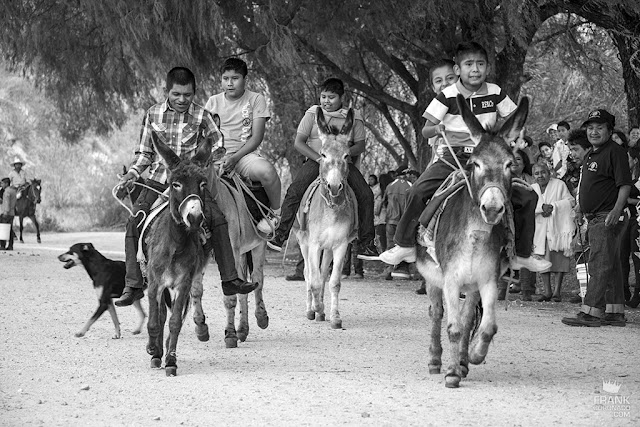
(186,199)
(331,201)
(492,185)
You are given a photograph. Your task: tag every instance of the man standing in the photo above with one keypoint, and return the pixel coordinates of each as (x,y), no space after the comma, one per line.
(604,189)
(8,210)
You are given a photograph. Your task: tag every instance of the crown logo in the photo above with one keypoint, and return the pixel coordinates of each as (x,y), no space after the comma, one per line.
(611,386)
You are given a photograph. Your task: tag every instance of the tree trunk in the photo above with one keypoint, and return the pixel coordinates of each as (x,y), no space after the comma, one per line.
(629,49)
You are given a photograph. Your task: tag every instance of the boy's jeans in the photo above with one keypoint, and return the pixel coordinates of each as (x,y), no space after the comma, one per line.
(307,173)
(605,289)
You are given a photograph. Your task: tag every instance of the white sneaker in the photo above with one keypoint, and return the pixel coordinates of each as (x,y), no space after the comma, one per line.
(532,263)
(397,254)
(268,224)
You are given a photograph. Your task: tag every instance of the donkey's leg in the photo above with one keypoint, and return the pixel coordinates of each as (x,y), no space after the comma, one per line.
(436,311)
(180,303)
(258,254)
(243,323)
(35,222)
(325,271)
(488,326)
(20,220)
(451,292)
(334,283)
(230,336)
(468,317)
(314,283)
(197,289)
(154,345)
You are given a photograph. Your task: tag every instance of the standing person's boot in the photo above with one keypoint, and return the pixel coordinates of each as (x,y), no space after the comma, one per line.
(129,295)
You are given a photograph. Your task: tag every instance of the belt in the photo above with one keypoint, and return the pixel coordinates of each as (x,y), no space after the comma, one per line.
(460,150)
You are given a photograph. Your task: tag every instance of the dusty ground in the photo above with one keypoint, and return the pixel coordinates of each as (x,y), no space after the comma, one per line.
(297,372)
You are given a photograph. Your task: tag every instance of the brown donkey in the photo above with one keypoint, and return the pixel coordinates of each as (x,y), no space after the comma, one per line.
(176,258)
(330,221)
(471,236)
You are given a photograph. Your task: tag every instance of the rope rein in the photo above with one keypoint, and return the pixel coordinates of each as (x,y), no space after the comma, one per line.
(464,175)
(114,192)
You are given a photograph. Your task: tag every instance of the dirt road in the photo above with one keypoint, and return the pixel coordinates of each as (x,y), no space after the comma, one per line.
(297,372)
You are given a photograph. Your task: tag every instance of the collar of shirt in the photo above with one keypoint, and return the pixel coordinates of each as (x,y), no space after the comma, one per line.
(168,107)
(467,93)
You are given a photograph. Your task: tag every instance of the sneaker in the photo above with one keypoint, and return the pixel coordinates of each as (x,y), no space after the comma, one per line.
(268,224)
(576,299)
(344,277)
(369,252)
(582,319)
(358,276)
(401,273)
(129,295)
(294,278)
(614,319)
(276,244)
(532,263)
(397,254)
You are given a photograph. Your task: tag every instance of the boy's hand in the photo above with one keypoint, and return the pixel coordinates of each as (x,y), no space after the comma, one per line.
(127,179)
(440,129)
(229,163)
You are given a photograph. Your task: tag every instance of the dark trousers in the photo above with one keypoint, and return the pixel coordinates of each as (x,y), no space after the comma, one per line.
(381,234)
(357,263)
(307,173)
(8,219)
(215,221)
(628,248)
(605,290)
(523,201)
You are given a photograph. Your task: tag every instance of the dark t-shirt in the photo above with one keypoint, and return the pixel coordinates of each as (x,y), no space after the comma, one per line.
(603,173)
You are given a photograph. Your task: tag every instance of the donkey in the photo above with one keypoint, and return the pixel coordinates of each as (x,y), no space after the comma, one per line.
(176,258)
(249,250)
(469,248)
(330,221)
(26,206)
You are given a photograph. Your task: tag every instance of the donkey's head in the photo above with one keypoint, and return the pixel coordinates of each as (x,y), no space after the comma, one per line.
(35,190)
(334,155)
(187,184)
(490,163)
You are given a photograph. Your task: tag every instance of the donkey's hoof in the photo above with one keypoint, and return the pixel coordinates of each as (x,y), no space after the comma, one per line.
(320,317)
(452,381)
(202,332)
(263,322)
(231,342)
(171,371)
(39,241)
(311,315)
(78,334)
(243,333)
(476,358)
(434,369)
(156,363)
(336,324)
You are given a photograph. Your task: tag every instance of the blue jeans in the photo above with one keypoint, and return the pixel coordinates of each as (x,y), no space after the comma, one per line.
(307,173)
(605,291)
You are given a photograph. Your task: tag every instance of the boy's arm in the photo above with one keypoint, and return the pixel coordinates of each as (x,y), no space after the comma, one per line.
(144,155)
(432,129)
(257,134)
(301,147)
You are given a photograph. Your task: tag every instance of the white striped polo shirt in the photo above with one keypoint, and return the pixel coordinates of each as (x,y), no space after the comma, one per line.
(486,104)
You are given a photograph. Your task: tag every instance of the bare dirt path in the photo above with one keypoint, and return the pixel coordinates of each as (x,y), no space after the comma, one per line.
(374,372)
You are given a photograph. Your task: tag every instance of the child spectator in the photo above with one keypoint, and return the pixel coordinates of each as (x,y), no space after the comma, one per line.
(441,75)
(488,102)
(634,136)
(620,138)
(561,150)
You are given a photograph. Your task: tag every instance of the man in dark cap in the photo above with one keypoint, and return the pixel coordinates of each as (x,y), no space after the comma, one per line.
(604,188)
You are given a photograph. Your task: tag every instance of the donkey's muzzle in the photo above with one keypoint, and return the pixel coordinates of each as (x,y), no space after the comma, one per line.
(492,205)
(191,212)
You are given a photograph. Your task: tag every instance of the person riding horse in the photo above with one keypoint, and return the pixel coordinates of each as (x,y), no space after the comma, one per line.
(19,177)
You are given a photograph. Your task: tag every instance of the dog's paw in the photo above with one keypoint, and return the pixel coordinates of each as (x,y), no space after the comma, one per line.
(79,334)
(115,336)
(136,331)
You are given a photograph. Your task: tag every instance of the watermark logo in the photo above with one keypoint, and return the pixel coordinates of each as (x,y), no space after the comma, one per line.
(619,405)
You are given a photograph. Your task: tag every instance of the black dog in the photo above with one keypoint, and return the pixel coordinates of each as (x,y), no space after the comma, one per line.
(108,282)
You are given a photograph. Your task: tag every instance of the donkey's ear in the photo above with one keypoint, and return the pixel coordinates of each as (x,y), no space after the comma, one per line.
(204,152)
(323,127)
(514,124)
(348,123)
(167,153)
(475,128)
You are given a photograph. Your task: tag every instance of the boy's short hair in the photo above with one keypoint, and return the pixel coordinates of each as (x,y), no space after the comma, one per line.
(333,85)
(564,125)
(6,180)
(466,48)
(374,177)
(443,62)
(622,136)
(579,137)
(181,76)
(544,143)
(235,64)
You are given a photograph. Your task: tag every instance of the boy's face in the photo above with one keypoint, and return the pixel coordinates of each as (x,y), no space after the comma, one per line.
(472,69)
(563,133)
(546,151)
(553,135)
(634,135)
(577,152)
(330,101)
(442,77)
(233,84)
(180,97)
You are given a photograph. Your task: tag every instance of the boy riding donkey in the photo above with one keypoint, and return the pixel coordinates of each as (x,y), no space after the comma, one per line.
(487,101)
(182,125)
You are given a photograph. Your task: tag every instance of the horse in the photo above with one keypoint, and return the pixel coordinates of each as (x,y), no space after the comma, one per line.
(468,248)
(249,250)
(26,205)
(330,220)
(176,258)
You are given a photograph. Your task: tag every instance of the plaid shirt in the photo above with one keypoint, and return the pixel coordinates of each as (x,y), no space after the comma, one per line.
(180,131)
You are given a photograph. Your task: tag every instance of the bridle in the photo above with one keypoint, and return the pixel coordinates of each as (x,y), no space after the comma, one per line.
(331,201)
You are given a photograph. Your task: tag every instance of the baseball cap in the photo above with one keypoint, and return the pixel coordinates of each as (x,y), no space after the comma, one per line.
(600,116)
(553,126)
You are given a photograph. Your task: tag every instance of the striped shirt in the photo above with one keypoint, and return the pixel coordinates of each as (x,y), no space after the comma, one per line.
(486,104)
(182,132)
